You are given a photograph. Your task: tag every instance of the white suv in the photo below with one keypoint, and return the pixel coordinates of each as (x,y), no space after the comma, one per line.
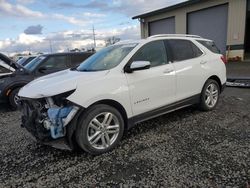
(92,105)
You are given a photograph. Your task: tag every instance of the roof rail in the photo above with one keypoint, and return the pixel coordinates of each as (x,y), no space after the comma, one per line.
(174,35)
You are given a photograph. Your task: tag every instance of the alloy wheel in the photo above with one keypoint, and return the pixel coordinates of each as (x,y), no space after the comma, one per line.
(16,99)
(212,94)
(103,130)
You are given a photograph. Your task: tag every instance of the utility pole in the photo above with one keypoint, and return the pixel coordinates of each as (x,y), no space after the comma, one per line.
(94,36)
(50,46)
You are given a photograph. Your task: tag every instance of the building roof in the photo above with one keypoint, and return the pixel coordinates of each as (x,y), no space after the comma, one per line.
(163,10)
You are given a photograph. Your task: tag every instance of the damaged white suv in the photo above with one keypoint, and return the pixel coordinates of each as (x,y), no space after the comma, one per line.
(91,106)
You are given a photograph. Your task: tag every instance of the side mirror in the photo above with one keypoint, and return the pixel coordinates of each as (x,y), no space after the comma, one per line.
(138,65)
(42,69)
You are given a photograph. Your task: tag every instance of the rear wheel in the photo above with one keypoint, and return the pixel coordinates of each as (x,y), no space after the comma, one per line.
(100,129)
(210,95)
(14,99)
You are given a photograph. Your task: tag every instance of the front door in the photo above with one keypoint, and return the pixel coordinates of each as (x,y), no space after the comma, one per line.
(154,87)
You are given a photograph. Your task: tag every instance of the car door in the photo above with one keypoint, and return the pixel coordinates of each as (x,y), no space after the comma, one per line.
(53,64)
(186,58)
(154,87)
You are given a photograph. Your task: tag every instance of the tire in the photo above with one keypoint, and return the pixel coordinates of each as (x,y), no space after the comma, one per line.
(13,99)
(96,137)
(210,95)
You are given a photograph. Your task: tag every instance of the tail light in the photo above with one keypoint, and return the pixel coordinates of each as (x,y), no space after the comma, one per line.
(224,59)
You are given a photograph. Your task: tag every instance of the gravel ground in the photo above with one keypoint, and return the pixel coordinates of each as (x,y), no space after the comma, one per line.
(187,148)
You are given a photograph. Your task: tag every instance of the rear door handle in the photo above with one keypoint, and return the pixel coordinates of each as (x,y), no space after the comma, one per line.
(203,62)
(168,71)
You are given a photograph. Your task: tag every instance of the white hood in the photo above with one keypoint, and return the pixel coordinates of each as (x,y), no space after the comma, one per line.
(57,83)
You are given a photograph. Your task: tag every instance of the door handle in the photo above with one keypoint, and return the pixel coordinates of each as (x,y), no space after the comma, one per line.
(203,62)
(168,71)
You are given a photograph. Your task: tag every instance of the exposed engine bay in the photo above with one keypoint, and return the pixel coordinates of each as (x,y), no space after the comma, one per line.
(46,119)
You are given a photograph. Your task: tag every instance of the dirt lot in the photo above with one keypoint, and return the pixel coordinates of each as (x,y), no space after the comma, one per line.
(182,149)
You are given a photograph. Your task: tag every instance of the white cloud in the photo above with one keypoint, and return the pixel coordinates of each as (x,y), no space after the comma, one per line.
(135,7)
(129,7)
(20,11)
(25,1)
(70,19)
(65,40)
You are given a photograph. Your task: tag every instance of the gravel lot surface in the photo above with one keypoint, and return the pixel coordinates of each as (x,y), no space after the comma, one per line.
(182,149)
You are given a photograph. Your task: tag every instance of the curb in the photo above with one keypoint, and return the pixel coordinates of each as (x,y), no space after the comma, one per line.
(241,82)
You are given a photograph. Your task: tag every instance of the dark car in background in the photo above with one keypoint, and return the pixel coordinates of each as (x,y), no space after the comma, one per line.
(25,60)
(40,66)
(7,66)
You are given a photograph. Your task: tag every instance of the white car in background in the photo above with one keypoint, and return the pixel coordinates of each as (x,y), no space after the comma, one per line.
(92,105)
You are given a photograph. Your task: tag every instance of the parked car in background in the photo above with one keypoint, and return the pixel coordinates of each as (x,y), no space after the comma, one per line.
(7,66)
(40,66)
(121,85)
(25,60)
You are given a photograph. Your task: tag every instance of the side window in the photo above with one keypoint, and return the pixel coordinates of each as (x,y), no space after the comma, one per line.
(183,50)
(154,52)
(210,45)
(56,62)
(78,59)
(196,50)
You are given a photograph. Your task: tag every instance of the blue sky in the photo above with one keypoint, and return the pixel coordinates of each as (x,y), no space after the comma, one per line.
(28,25)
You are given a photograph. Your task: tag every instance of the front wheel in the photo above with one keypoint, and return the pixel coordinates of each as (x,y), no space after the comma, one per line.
(210,95)
(100,129)
(14,99)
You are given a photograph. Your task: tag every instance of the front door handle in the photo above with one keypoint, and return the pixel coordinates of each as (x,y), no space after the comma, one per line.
(168,71)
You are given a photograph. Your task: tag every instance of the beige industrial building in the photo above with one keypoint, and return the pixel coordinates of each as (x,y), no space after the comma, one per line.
(227,22)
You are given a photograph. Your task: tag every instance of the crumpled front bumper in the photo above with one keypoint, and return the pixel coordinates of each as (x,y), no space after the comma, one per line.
(32,121)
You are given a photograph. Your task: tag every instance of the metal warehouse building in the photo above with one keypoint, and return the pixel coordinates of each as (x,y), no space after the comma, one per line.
(227,22)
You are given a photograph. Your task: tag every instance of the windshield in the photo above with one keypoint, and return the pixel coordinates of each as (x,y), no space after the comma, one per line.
(22,60)
(107,58)
(31,66)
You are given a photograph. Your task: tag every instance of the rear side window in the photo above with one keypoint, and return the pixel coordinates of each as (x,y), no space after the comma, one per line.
(78,59)
(183,50)
(210,45)
(154,52)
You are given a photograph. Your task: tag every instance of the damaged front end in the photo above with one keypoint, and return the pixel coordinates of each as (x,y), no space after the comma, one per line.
(47,119)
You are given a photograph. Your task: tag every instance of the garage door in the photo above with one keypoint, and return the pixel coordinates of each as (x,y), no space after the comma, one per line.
(210,23)
(164,26)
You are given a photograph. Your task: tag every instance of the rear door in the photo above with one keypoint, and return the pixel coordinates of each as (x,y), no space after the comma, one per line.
(155,87)
(186,58)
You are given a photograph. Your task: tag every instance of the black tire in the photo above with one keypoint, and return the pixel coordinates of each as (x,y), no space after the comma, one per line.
(83,129)
(203,105)
(12,101)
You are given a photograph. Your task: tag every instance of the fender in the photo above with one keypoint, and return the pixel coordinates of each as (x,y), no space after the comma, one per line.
(13,86)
